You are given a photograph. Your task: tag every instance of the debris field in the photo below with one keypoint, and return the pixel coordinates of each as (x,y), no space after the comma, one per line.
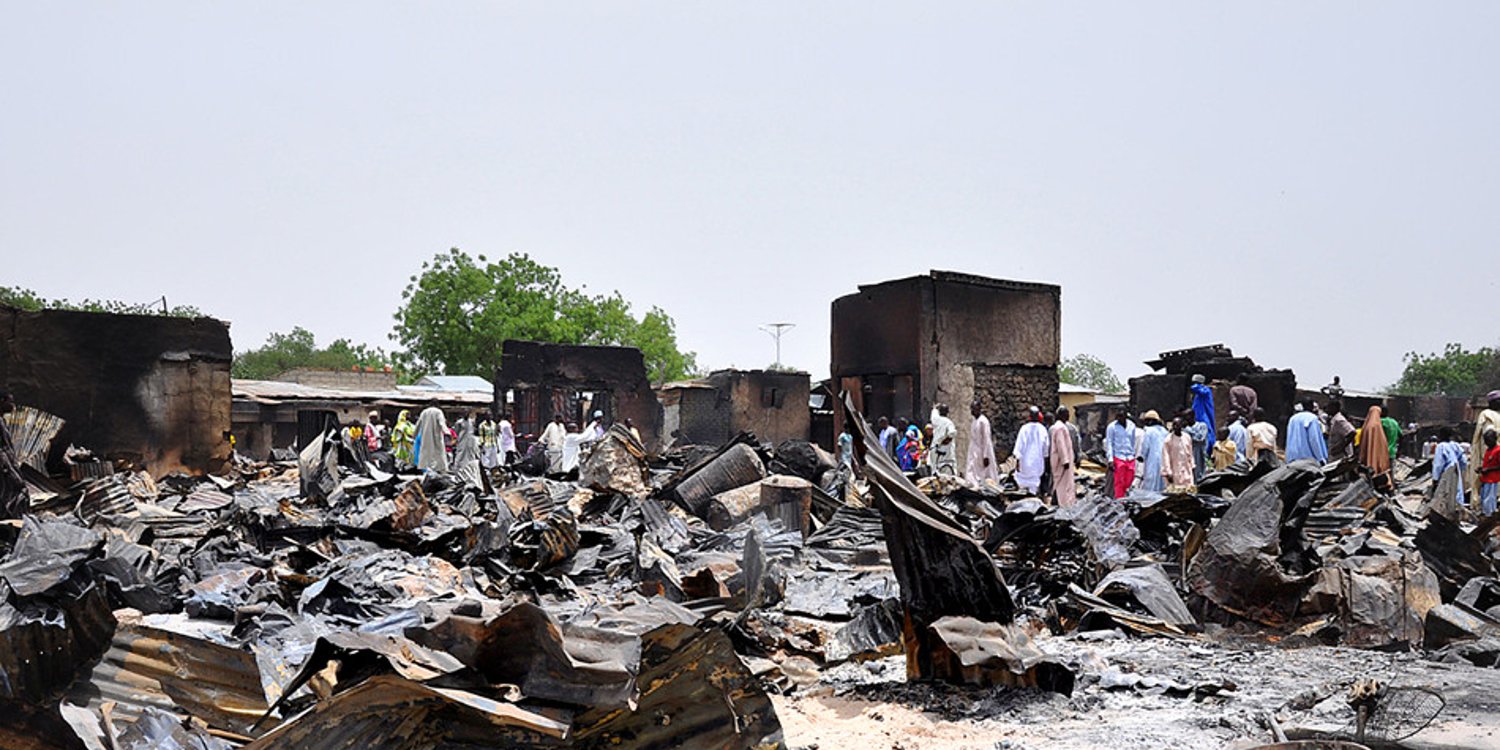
(739,596)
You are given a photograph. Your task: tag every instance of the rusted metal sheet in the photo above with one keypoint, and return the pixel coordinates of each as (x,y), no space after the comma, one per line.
(617,464)
(694,692)
(990,654)
(942,570)
(389,712)
(152,667)
(1241,566)
(32,431)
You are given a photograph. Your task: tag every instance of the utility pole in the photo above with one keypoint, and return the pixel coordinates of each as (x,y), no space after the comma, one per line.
(776,330)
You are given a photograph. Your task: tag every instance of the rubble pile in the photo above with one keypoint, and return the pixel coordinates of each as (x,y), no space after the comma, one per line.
(318,602)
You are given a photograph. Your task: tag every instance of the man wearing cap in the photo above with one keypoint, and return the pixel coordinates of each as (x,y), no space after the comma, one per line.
(1031,452)
(981,459)
(1489,419)
(1304,435)
(1203,412)
(1153,440)
(942,457)
(595,430)
(1120,447)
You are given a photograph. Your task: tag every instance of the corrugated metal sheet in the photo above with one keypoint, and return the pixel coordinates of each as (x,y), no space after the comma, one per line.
(32,431)
(152,667)
(45,641)
(393,713)
(272,391)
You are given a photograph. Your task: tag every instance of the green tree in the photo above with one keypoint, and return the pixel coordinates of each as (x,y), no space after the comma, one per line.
(27,299)
(458,311)
(299,348)
(1090,372)
(1455,371)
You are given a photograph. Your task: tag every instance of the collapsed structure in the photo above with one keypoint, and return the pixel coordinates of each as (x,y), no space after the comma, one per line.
(537,381)
(148,390)
(710,410)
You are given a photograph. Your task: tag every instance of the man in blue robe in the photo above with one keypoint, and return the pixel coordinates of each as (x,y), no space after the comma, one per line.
(1152,440)
(1203,410)
(1239,433)
(1304,435)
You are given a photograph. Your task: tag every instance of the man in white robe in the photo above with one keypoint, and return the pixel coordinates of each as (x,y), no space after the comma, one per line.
(552,439)
(981,460)
(941,457)
(1031,452)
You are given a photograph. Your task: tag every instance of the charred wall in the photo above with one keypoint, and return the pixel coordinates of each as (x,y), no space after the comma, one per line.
(1167,394)
(710,411)
(901,346)
(144,388)
(1005,393)
(550,379)
(773,405)
(692,415)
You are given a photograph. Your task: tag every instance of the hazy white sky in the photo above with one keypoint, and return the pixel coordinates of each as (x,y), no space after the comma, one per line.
(1313,184)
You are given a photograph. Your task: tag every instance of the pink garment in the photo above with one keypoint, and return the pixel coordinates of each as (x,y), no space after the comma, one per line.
(1063,466)
(1177,460)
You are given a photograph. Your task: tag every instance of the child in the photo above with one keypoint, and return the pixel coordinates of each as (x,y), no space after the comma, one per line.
(1489,475)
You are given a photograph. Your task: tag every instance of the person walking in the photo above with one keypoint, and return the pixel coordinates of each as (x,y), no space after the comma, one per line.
(1153,443)
(1179,462)
(1120,449)
(1304,435)
(1373,451)
(941,456)
(1488,419)
(1340,433)
(1062,460)
(1031,452)
(981,459)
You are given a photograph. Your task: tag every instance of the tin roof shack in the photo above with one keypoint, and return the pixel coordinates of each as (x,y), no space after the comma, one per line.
(1167,392)
(537,380)
(901,346)
(145,388)
(271,414)
(709,411)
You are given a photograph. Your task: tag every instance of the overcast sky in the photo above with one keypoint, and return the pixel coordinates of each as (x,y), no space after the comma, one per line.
(1312,184)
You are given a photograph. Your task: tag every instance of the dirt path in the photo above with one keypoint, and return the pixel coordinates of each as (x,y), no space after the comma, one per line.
(1147,694)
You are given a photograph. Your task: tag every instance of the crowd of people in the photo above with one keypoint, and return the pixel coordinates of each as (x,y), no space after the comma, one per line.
(1160,456)
(474,444)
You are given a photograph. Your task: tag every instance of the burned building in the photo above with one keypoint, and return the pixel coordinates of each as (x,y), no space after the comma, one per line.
(147,389)
(536,381)
(1167,393)
(709,411)
(901,346)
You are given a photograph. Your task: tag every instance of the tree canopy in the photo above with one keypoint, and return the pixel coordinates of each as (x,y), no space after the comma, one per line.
(1090,372)
(459,309)
(1455,371)
(26,299)
(287,351)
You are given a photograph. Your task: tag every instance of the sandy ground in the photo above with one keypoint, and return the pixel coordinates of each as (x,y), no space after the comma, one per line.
(1134,693)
